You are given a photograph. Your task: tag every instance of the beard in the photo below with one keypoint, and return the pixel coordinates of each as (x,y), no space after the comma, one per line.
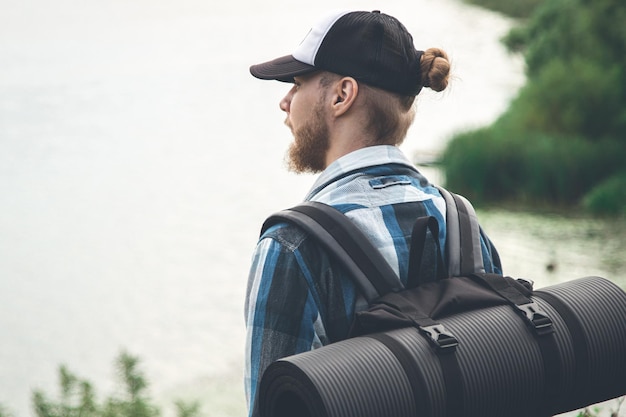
(307,153)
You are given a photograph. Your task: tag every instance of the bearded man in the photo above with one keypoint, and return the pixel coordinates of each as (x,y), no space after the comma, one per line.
(355,77)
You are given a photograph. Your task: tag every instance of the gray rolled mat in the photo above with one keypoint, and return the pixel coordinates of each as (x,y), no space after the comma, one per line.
(501,364)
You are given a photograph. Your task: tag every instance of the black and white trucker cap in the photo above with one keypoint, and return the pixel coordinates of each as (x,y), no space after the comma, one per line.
(372,47)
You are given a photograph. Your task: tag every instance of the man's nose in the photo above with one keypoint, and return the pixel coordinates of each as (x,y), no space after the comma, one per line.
(285,103)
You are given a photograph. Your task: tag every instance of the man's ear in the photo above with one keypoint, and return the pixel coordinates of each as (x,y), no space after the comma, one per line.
(344,95)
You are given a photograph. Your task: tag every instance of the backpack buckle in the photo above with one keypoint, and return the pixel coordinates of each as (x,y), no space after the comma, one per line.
(440,337)
(539,320)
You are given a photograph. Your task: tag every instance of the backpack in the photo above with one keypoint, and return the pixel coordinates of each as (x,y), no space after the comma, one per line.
(414,320)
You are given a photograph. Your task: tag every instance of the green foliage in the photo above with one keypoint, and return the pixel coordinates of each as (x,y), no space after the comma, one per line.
(595,411)
(609,197)
(567,29)
(574,52)
(565,133)
(187,409)
(77,397)
(496,163)
(588,413)
(557,103)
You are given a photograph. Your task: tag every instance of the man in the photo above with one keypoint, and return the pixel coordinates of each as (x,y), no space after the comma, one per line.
(355,77)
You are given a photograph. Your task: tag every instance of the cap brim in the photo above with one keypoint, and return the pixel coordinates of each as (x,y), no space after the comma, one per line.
(281,69)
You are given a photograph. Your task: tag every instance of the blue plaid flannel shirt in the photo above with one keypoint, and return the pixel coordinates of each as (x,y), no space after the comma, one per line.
(296,299)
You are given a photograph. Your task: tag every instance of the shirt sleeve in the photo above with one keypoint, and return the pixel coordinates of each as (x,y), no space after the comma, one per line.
(281,311)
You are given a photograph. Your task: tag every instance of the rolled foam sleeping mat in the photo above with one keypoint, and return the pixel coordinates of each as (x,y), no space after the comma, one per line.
(501,365)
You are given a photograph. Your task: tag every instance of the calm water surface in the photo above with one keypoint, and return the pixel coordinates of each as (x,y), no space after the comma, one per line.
(138,160)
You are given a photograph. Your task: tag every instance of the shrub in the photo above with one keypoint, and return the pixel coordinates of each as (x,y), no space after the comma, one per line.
(78,399)
(495,164)
(608,198)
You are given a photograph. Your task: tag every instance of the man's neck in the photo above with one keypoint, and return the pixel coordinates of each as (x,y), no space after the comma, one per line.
(345,137)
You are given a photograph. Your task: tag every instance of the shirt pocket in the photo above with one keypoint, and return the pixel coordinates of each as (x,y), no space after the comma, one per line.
(389,181)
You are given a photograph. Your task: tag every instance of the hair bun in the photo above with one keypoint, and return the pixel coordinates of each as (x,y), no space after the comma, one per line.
(435,69)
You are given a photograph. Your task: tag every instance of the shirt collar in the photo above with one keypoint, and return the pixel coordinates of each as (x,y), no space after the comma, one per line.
(359,159)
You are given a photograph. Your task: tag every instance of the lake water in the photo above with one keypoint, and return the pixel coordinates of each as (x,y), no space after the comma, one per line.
(138,159)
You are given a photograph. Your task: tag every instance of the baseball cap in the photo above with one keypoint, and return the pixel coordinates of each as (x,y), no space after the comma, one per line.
(372,47)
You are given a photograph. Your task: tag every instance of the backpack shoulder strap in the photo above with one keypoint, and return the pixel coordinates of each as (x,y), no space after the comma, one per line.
(416,252)
(370,270)
(463,247)
(346,243)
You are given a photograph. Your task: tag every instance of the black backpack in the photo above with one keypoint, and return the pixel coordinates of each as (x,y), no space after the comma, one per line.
(461,285)
(536,370)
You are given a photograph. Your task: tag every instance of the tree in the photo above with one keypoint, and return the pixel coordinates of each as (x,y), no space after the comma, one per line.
(574,54)
(563,139)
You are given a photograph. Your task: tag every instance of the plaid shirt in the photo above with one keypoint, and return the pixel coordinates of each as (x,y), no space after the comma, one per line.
(297,299)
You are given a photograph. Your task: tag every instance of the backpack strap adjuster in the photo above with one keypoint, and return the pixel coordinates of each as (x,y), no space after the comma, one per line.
(541,323)
(440,337)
